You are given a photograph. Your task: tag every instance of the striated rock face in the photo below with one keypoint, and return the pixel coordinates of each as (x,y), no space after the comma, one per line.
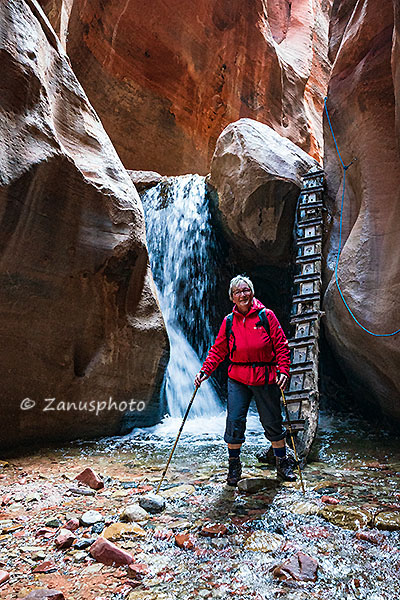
(58,13)
(257,174)
(80,320)
(363,94)
(172,75)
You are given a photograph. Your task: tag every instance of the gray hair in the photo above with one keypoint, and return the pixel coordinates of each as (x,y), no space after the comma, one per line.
(237,279)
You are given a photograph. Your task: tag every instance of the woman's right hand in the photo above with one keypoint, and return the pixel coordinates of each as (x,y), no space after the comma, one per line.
(200,377)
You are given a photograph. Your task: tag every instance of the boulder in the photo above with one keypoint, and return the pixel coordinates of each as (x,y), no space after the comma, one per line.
(299,567)
(257,174)
(82,332)
(109,554)
(363,99)
(144,180)
(173,77)
(152,503)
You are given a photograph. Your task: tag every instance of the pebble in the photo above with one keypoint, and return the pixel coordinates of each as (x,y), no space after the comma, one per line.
(108,553)
(97,528)
(53,523)
(305,508)
(45,593)
(83,543)
(299,567)
(117,530)
(65,539)
(346,517)
(263,541)
(186,541)
(179,491)
(388,520)
(134,512)
(89,478)
(214,529)
(152,503)
(72,524)
(90,517)
(4,576)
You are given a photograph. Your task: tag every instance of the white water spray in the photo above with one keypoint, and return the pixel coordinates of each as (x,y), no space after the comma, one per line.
(178,238)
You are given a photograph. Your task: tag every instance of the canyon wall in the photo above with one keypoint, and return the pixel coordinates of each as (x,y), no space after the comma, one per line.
(363,96)
(80,321)
(166,78)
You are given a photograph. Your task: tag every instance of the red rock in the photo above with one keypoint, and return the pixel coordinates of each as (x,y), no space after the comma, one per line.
(89,478)
(109,554)
(365,115)
(65,539)
(163,534)
(141,489)
(370,536)
(299,567)
(185,541)
(45,567)
(45,532)
(83,256)
(138,570)
(329,500)
(214,529)
(72,524)
(4,576)
(316,532)
(45,593)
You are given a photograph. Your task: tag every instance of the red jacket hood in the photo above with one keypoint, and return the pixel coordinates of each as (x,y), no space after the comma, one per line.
(256,306)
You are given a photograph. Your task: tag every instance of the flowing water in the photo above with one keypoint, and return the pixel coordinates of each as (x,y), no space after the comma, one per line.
(356,467)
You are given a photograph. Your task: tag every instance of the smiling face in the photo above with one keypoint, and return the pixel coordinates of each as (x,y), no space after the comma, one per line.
(242,297)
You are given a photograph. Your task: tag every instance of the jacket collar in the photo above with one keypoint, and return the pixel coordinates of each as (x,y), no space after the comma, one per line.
(255,307)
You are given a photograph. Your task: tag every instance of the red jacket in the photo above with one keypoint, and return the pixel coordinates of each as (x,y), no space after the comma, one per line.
(252,345)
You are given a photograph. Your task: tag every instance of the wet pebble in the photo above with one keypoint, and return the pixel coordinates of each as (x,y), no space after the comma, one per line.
(134,512)
(152,503)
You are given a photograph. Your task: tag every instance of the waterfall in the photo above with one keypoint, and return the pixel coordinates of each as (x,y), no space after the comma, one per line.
(182,250)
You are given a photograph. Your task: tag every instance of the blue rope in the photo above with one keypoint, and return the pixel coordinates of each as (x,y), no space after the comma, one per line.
(345,167)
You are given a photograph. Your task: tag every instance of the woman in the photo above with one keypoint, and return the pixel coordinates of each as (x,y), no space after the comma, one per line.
(259,366)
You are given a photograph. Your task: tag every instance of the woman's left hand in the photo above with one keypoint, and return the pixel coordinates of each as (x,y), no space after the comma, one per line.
(281,381)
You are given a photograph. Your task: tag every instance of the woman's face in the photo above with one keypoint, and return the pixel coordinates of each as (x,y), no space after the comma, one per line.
(242,297)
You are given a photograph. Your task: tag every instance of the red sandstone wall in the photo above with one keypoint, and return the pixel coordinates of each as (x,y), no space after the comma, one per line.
(166,78)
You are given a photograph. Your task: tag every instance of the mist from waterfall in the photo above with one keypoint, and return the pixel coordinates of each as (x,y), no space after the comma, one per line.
(182,250)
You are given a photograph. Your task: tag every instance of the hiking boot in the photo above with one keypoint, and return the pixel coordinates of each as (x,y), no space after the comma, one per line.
(235,471)
(266,456)
(284,469)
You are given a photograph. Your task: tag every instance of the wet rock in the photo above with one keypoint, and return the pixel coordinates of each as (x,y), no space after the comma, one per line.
(89,478)
(43,593)
(65,539)
(72,524)
(263,541)
(97,528)
(134,512)
(214,530)
(115,531)
(370,536)
(53,523)
(152,503)
(388,520)
(90,517)
(304,508)
(329,500)
(180,491)
(4,576)
(138,570)
(299,567)
(81,492)
(80,556)
(346,517)
(83,543)
(108,553)
(251,485)
(185,541)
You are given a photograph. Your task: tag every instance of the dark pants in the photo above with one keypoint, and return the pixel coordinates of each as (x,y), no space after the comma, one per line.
(268,403)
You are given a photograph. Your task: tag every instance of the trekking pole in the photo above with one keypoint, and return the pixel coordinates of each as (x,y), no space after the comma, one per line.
(177,438)
(291,437)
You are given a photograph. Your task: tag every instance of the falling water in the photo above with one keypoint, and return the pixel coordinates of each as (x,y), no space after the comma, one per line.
(182,251)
